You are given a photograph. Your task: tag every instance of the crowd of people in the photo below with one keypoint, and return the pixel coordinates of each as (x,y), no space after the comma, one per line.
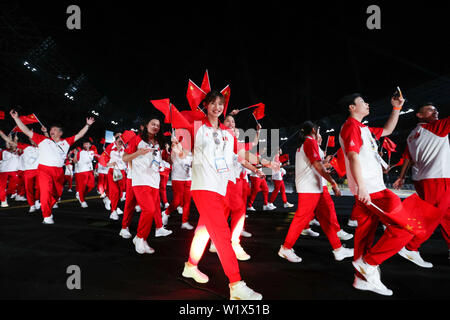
(214,173)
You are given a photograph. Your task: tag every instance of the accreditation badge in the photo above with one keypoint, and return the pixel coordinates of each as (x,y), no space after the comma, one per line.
(221,165)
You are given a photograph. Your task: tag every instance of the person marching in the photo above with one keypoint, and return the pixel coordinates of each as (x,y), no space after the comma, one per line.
(210,174)
(8,171)
(144,154)
(68,174)
(102,180)
(52,154)
(164,173)
(309,171)
(428,149)
(85,179)
(278,185)
(364,168)
(259,184)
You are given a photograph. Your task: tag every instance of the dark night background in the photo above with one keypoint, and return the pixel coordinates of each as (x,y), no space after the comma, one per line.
(298,59)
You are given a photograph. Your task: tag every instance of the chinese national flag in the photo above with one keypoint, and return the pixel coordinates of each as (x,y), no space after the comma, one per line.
(194,95)
(167,134)
(16,129)
(259,111)
(414,215)
(171,113)
(192,116)
(338,163)
(226,94)
(389,145)
(400,163)
(29,119)
(127,135)
(206,86)
(284,158)
(94,148)
(331,143)
(2,115)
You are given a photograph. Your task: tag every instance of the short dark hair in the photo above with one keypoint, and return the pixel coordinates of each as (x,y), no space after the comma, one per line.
(212,96)
(60,127)
(347,100)
(421,105)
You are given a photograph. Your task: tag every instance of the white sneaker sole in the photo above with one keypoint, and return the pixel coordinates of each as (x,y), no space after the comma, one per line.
(366,286)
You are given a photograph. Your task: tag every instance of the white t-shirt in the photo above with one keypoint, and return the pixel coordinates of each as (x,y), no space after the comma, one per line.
(307,179)
(102,170)
(51,153)
(278,175)
(10,162)
(84,163)
(181,168)
(428,147)
(116,156)
(30,158)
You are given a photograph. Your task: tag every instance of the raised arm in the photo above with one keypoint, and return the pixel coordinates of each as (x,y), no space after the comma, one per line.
(6,138)
(391,123)
(89,122)
(20,124)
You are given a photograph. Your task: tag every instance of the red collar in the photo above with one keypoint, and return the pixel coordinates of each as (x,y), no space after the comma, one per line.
(206,122)
(354,121)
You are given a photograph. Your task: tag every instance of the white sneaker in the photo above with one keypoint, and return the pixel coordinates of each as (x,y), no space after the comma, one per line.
(77,195)
(114,216)
(309,232)
(194,273)
(414,256)
(165,218)
(240,291)
(352,223)
(21,198)
(107,203)
(166,205)
(123,197)
(37,204)
(141,246)
(102,196)
(288,205)
(371,273)
(119,211)
(342,253)
(48,220)
(138,209)
(32,209)
(251,209)
(4,204)
(187,226)
(162,232)
(246,234)
(267,208)
(361,284)
(180,210)
(289,254)
(84,204)
(241,255)
(212,248)
(271,206)
(314,222)
(14,195)
(124,233)
(55,206)
(342,235)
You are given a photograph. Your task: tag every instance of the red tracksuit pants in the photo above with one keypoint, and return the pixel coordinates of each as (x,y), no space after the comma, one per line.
(68,180)
(212,222)
(102,183)
(130,205)
(332,217)
(146,198)
(51,180)
(245,190)
(394,237)
(31,186)
(116,188)
(181,197)
(8,184)
(278,186)
(236,208)
(85,182)
(307,204)
(20,183)
(437,193)
(163,187)
(258,184)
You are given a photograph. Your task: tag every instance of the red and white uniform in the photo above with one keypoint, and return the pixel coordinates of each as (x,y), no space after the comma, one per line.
(51,175)
(145,182)
(30,159)
(116,188)
(278,185)
(85,173)
(20,174)
(211,171)
(356,137)
(8,173)
(181,185)
(308,183)
(428,148)
(164,176)
(102,179)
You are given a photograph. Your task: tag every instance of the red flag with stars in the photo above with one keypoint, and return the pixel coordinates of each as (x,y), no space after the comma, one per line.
(29,119)
(284,158)
(206,86)
(226,94)
(194,95)
(259,111)
(171,113)
(331,143)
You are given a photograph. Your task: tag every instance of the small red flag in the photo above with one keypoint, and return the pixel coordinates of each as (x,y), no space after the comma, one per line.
(400,163)
(194,95)
(91,140)
(2,115)
(226,94)
(206,86)
(167,134)
(259,111)
(284,158)
(16,129)
(338,163)
(389,145)
(192,116)
(171,113)
(331,143)
(127,135)
(103,141)
(29,119)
